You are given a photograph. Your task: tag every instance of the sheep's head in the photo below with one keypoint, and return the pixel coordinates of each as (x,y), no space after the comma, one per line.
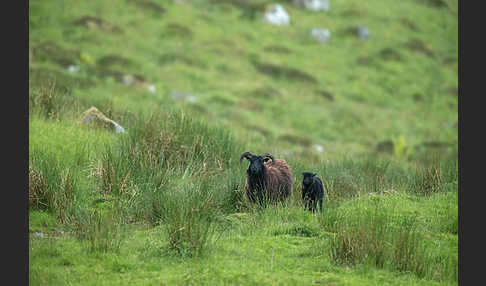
(256,162)
(307,178)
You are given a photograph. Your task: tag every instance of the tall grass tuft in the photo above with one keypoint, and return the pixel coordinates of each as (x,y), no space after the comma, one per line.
(158,149)
(435,175)
(188,213)
(49,102)
(100,229)
(371,232)
(52,186)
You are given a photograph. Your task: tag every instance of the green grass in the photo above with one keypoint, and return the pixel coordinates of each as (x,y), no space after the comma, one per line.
(163,203)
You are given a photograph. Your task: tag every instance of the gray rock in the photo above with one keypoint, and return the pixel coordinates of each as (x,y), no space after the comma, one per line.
(363,32)
(181,95)
(151,88)
(277,15)
(314,5)
(38,234)
(321,35)
(95,117)
(118,128)
(319,148)
(73,69)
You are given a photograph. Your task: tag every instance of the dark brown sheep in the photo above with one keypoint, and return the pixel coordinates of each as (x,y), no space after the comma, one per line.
(267,179)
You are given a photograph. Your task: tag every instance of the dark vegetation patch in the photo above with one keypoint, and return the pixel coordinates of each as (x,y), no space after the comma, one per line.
(419,46)
(450,60)
(223,68)
(437,144)
(418,97)
(350,31)
(250,104)
(352,13)
(149,5)
(49,51)
(341,188)
(390,54)
(249,9)
(136,80)
(385,146)
(277,49)
(284,73)
(107,72)
(177,31)
(410,25)
(325,94)
(265,92)
(64,81)
(295,139)
(434,3)
(221,100)
(91,22)
(111,60)
(364,60)
(259,129)
(297,229)
(454,91)
(201,109)
(171,58)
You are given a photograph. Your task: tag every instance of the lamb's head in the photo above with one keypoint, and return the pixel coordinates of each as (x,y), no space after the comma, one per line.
(308,178)
(257,162)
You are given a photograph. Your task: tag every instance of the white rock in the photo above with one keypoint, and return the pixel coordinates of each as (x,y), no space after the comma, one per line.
(118,128)
(363,32)
(127,79)
(277,15)
(73,69)
(319,148)
(321,35)
(38,234)
(191,98)
(93,115)
(181,95)
(314,5)
(151,88)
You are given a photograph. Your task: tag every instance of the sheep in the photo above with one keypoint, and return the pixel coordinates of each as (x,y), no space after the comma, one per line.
(312,191)
(267,178)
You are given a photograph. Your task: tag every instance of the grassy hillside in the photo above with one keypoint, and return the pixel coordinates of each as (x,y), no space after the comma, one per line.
(197,83)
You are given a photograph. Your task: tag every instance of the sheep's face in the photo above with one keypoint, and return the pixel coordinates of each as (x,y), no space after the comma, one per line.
(308,178)
(256,165)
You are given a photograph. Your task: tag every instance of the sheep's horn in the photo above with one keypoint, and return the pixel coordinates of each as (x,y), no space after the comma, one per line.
(265,155)
(245,155)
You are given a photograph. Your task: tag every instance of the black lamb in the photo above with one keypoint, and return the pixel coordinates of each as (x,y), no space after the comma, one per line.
(312,191)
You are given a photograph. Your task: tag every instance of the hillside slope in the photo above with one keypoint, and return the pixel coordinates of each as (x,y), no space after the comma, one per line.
(266,83)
